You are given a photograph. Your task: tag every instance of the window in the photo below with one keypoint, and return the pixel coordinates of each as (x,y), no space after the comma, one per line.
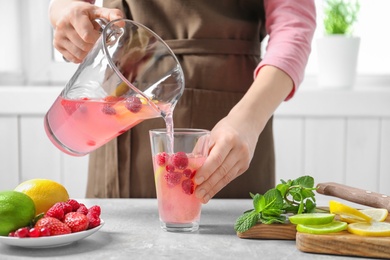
(28,58)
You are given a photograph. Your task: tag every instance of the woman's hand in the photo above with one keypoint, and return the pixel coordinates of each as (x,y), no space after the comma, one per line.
(233,140)
(75,31)
(232,144)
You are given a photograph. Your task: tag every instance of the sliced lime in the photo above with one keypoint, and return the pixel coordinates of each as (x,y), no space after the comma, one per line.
(312,218)
(335,226)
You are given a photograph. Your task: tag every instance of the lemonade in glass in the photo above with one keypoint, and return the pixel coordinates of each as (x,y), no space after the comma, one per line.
(176,158)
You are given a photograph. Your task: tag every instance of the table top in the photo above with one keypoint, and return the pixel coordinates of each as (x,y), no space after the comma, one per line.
(132,231)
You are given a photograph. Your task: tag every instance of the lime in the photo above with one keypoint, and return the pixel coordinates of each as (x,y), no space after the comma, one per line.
(312,218)
(345,210)
(16,211)
(335,226)
(45,193)
(377,229)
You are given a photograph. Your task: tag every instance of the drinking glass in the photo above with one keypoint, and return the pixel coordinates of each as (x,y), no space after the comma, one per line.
(130,75)
(176,158)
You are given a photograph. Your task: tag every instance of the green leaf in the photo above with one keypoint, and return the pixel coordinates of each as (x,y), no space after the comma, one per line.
(304,181)
(273,199)
(282,188)
(340,15)
(272,219)
(258,202)
(246,221)
(310,206)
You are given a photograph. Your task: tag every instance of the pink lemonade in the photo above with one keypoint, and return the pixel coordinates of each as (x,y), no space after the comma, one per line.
(174,178)
(80,126)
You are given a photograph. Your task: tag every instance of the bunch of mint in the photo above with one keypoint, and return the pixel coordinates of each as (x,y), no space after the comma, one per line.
(292,196)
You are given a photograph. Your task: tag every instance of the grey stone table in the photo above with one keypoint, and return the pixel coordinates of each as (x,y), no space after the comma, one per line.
(132,231)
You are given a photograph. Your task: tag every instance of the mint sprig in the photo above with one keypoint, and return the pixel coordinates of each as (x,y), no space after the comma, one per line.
(292,196)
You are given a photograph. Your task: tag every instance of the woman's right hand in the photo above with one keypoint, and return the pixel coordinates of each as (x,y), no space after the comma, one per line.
(75,31)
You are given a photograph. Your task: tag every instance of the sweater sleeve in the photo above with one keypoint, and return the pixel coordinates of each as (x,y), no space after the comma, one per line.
(290,26)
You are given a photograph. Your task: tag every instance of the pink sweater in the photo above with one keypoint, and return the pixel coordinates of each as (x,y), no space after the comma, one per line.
(290,25)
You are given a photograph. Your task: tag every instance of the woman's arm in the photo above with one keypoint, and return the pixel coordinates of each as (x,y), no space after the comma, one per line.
(233,140)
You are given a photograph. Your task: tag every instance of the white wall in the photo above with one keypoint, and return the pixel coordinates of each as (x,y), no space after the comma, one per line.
(317,133)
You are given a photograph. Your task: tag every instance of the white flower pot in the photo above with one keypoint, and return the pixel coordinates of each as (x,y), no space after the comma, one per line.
(337,60)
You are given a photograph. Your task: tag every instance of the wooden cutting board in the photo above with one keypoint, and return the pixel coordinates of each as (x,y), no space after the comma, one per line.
(341,243)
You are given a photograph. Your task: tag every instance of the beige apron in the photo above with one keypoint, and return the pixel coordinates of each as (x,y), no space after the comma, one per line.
(218,45)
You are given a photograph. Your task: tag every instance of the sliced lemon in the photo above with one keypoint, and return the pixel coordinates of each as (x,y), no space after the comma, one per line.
(312,218)
(335,226)
(374,229)
(378,215)
(341,209)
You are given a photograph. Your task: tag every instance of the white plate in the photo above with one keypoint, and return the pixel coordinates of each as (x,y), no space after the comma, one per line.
(47,242)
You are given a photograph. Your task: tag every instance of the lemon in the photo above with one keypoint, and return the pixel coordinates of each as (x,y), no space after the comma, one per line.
(45,193)
(341,209)
(312,218)
(377,229)
(16,211)
(375,214)
(334,226)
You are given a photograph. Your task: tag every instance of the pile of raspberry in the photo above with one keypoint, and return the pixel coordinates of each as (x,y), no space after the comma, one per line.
(62,218)
(175,168)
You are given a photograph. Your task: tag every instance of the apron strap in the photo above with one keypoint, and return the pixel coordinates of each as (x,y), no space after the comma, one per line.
(214,46)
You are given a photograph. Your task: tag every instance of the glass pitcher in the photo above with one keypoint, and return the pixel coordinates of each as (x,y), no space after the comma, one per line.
(130,75)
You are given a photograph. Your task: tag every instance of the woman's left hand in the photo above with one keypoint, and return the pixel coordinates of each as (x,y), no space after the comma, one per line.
(232,144)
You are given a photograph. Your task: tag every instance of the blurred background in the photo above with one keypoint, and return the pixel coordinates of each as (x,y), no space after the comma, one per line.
(332,134)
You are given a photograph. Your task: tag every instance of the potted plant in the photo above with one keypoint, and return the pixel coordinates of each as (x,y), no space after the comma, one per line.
(338,49)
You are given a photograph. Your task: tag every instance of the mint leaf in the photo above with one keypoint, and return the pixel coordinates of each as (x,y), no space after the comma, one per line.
(273,199)
(304,181)
(246,221)
(258,202)
(291,196)
(282,188)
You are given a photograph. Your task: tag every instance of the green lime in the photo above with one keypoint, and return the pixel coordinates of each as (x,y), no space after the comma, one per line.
(335,226)
(16,210)
(312,218)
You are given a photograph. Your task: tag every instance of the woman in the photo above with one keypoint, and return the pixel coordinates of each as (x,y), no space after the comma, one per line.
(218,46)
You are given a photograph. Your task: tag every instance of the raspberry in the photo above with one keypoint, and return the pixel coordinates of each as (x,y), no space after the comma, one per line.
(94,221)
(66,206)
(70,106)
(172,178)
(11,234)
(44,232)
(180,160)
(170,168)
(94,210)
(56,211)
(75,205)
(188,186)
(188,173)
(34,232)
(133,104)
(82,209)
(76,221)
(108,110)
(22,232)
(162,158)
